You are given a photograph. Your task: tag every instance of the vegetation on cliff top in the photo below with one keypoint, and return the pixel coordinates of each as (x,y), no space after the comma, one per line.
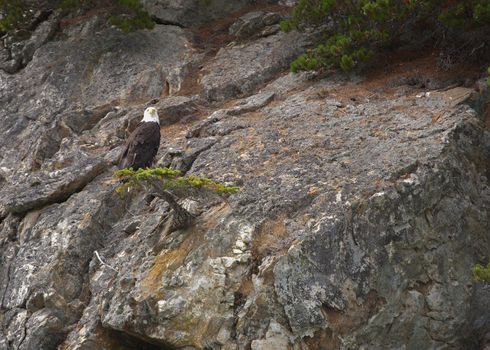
(127,15)
(355,31)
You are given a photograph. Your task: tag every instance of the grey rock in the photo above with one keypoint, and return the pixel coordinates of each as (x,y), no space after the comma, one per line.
(18,54)
(182,159)
(307,280)
(46,268)
(288,2)
(247,26)
(252,103)
(41,35)
(84,119)
(10,65)
(199,129)
(176,108)
(46,188)
(211,125)
(282,86)
(240,69)
(191,13)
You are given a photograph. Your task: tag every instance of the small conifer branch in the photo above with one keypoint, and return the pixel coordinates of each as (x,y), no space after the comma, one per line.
(167,184)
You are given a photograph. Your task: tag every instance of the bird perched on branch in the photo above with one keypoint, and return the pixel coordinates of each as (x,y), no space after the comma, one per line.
(142,145)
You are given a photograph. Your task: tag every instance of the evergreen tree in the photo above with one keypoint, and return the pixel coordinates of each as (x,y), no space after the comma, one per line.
(128,15)
(354,31)
(170,186)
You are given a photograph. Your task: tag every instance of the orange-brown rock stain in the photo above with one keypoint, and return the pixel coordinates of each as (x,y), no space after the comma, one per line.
(170,259)
(271,238)
(167,260)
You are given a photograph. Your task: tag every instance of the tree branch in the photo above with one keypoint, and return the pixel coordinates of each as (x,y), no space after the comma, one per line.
(180,218)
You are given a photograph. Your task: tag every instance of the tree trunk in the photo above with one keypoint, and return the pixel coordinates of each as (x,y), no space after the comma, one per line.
(180,218)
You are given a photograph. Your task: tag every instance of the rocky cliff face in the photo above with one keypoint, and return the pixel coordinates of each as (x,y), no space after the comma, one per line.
(364,203)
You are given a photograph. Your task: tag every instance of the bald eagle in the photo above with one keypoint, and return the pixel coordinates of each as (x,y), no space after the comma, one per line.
(142,145)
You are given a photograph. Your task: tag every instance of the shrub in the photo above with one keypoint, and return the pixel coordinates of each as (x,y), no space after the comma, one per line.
(69,4)
(14,14)
(354,30)
(133,17)
(285,26)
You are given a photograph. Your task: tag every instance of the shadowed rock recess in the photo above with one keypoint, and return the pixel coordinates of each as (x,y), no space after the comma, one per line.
(362,206)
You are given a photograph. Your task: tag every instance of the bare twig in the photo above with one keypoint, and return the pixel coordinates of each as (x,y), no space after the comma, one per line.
(102,262)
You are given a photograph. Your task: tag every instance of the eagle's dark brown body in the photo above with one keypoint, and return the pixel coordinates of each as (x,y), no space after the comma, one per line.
(141,147)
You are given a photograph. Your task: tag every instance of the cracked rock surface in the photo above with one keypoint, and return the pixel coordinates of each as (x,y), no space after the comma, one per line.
(362,205)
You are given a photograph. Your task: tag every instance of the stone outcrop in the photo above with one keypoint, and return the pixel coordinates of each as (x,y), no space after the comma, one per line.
(192,13)
(255,24)
(16,51)
(362,205)
(240,69)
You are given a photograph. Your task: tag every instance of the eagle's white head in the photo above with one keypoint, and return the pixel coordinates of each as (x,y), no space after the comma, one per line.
(151,115)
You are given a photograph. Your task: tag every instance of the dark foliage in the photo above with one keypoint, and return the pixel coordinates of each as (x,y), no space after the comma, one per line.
(355,31)
(127,15)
